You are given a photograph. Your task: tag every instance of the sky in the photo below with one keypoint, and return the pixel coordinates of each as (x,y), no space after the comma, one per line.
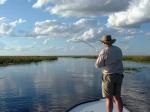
(73,27)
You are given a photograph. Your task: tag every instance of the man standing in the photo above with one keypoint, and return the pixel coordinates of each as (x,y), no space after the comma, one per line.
(110,60)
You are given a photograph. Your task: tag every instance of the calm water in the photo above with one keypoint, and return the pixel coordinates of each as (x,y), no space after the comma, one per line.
(57,86)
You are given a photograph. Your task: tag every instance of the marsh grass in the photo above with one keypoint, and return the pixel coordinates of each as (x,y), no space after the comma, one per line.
(136,69)
(137,58)
(125,58)
(6,60)
(82,56)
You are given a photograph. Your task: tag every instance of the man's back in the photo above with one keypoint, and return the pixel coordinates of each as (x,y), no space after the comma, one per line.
(112,57)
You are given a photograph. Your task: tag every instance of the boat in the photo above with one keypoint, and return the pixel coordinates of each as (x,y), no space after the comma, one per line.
(95,106)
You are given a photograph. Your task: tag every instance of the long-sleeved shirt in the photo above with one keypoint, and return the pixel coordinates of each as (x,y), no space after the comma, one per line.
(110,59)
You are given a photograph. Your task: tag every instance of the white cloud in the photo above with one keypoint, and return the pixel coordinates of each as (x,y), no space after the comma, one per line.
(51,28)
(55,29)
(121,13)
(7,27)
(84,29)
(130,32)
(137,14)
(82,7)
(129,37)
(85,22)
(89,35)
(21,20)
(46,41)
(23,48)
(18,48)
(2,1)
(40,3)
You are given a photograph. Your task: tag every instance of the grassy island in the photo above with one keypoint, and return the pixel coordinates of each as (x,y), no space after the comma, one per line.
(137,58)
(6,60)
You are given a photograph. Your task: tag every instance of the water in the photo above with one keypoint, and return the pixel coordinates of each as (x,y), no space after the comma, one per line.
(136,88)
(57,86)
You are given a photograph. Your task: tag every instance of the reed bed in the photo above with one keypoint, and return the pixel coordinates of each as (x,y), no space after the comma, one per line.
(137,58)
(5,60)
(125,58)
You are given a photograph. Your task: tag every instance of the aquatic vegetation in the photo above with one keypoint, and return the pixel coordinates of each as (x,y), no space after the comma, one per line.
(137,58)
(132,69)
(5,60)
(81,56)
(125,58)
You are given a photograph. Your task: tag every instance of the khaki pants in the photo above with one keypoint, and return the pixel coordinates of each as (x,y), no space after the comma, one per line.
(111,84)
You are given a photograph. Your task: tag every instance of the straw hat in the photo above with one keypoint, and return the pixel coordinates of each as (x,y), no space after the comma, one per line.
(107,40)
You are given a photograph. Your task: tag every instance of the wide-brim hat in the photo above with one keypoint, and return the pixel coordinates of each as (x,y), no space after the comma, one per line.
(107,40)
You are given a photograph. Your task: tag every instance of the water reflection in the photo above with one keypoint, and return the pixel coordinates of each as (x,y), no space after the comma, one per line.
(136,91)
(47,86)
(57,86)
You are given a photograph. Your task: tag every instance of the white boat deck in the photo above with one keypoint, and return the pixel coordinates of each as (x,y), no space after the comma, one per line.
(96,106)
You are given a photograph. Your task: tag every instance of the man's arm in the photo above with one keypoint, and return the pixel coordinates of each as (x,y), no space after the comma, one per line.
(100,62)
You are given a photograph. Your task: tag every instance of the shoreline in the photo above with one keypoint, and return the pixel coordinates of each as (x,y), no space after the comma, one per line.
(10,60)
(134,58)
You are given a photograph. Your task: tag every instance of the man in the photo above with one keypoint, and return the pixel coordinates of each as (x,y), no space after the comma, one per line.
(110,60)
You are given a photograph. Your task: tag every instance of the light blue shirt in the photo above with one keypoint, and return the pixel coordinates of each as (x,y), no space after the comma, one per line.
(110,60)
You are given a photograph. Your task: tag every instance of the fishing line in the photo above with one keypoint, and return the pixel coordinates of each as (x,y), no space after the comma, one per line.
(87,43)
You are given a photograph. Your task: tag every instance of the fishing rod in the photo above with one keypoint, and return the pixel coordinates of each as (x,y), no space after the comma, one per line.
(87,43)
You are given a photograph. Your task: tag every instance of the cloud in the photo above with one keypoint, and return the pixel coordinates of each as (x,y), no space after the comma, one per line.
(82,7)
(40,3)
(83,22)
(14,47)
(51,28)
(2,2)
(137,14)
(7,27)
(18,48)
(129,37)
(128,14)
(46,41)
(130,32)
(23,48)
(5,47)
(84,29)
(56,29)
(21,20)
(89,35)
